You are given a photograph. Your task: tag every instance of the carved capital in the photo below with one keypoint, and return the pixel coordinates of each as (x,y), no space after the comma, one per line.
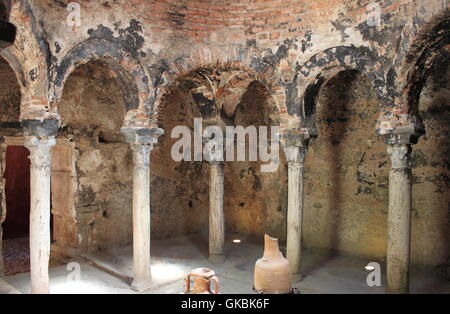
(298,137)
(402,134)
(141,155)
(214,149)
(40,128)
(400,156)
(143,136)
(40,151)
(296,155)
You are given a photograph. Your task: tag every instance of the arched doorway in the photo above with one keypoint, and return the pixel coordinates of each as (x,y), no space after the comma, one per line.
(430,162)
(92,163)
(15,178)
(180,189)
(346,171)
(256,201)
(179,201)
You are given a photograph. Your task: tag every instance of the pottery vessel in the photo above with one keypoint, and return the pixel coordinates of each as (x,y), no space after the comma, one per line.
(272,272)
(203,279)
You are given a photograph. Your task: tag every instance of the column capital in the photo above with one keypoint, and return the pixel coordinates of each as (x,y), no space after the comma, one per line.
(40,150)
(400,155)
(295,154)
(295,144)
(142,136)
(214,157)
(40,128)
(298,137)
(400,133)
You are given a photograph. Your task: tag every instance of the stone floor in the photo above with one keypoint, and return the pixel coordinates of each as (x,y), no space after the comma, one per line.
(172,259)
(16,256)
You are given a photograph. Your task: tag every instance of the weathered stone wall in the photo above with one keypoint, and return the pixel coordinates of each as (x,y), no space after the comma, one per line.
(10,98)
(179,190)
(431,173)
(291,47)
(92,113)
(10,102)
(255,201)
(272,38)
(9,119)
(346,171)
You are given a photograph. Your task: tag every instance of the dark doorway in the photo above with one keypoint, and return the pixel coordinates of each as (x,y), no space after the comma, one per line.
(17,176)
(16,252)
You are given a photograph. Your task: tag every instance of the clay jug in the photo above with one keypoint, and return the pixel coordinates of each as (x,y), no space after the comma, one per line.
(272,272)
(202,277)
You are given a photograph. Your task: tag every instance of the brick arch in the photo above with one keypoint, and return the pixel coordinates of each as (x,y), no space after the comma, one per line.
(175,73)
(428,47)
(16,66)
(29,58)
(315,73)
(131,74)
(16,72)
(170,81)
(410,68)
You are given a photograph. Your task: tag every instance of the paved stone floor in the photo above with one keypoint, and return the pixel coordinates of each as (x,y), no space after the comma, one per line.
(16,256)
(172,259)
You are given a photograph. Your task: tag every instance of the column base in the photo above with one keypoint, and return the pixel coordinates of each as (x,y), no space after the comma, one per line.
(141,285)
(216,259)
(40,290)
(397,291)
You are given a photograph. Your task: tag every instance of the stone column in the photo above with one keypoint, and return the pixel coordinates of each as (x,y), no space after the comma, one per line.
(216,189)
(296,158)
(216,214)
(399,219)
(141,217)
(141,140)
(40,156)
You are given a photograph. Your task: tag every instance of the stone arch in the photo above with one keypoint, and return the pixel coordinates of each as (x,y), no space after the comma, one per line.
(197,80)
(417,45)
(429,46)
(12,95)
(313,75)
(136,83)
(16,66)
(29,57)
(240,77)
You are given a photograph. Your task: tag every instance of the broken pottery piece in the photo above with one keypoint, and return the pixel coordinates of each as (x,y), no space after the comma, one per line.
(202,277)
(272,272)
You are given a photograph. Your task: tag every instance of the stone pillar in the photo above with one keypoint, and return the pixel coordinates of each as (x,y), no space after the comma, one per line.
(399,219)
(216,214)
(39,139)
(141,140)
(296,158)
(216,189)
(40,156)
(141,217)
